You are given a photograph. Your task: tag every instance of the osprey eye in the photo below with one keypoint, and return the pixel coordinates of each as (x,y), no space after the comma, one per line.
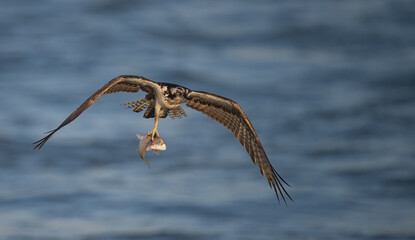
(179,91)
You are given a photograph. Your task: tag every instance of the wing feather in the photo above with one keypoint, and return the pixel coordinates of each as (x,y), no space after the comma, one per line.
(126,83)
(228,113)
(123,87)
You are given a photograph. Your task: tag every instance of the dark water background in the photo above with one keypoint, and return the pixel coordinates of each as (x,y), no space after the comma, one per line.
(328,85)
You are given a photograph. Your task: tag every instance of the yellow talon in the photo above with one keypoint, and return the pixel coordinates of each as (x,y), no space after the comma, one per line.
(153,133)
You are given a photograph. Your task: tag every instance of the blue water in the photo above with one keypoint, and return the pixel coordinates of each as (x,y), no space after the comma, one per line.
(328,85)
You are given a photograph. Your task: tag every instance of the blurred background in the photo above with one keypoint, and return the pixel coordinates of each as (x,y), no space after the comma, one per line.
(328,85)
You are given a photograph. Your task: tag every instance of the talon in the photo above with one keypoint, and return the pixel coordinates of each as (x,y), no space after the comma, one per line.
(153,133)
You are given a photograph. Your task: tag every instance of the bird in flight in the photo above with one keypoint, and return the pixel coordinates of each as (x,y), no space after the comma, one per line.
(164,99)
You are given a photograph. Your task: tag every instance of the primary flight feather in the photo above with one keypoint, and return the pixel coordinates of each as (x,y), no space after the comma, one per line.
(164,99)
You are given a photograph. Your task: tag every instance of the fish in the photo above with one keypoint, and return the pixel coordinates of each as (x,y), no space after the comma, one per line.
(146,145)
(156,145)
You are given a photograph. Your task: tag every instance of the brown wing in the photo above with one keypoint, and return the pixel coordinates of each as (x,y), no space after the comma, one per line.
(230,115)
(125,83)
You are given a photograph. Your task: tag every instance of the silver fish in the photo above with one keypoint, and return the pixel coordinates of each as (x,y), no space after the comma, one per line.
(146,144)
(156,145)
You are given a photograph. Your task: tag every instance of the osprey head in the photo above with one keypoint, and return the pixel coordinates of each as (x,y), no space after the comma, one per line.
(178,91)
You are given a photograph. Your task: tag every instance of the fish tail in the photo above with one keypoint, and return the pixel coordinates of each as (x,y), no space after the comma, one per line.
(140,137)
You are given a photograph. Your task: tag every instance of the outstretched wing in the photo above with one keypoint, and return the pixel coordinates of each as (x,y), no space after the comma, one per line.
(230,115)
(124,83)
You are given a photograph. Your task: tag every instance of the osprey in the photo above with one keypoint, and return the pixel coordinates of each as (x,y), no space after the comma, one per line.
(164,99)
